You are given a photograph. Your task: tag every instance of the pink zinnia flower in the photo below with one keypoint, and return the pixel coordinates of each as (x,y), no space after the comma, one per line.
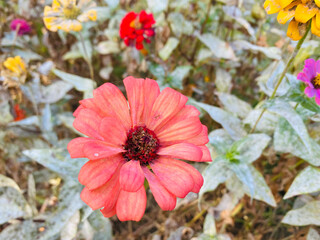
(136,28)
(134,140)
(310,75)
(24,26)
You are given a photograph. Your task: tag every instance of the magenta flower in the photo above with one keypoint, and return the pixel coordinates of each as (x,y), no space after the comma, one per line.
(310,75)
(22,25)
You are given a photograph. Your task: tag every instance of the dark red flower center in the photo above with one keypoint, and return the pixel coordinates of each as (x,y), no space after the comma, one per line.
(142,144)
(316,81)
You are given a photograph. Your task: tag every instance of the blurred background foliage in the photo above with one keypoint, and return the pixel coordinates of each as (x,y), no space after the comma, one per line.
(226,56)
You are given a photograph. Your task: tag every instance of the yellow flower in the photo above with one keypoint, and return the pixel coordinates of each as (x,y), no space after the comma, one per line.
(16,65)
(68,15)
(300,12)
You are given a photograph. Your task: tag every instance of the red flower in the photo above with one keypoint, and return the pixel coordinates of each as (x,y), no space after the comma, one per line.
(136,28)
(130,142)
(19,113)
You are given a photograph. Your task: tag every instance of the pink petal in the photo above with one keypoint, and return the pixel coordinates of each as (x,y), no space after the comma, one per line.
(152,91)
(186,112)
(303,77)
(108,213)
(168,103)
(201,138)
(135,93)
(206,156)
(90,103)
(96,173)
(131,205)
(180,131)
(88,122)
(177,180)
(112,131)
(310,92)
(105,196)
(186,151)
(318,66)
(317,100)
(76,112)
(75,147)
(97,150)
(194,173)
(166,200)
(131,176)
(112,103)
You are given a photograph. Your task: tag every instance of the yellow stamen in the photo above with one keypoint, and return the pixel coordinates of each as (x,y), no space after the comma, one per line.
(135,24)
(316,81)
(71,12)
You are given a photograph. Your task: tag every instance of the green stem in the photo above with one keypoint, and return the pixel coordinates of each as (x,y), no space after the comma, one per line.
(88,60)
(291,59)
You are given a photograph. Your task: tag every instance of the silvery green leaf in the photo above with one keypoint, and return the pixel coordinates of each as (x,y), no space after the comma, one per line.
(85,85)
(287,140)
(32,194)
(204,54)
(219,48)
(285,110)
(166,51)
(235,105)
(209,225)
(261,190)
(29,121)
(181,231)
(55,91)
(217,172)
(313,235)
(105,72)
(85,49)
(12,203)
(306,182)
(243,172)
(103,13)
(24,230)
(108,47)
(57,160)
(8,40)
(112,3)
(270,52)
(5,114)
(307,49)
(69,204)
(251,147)
(178,75)
(223,80)
(229,122)
(269,78)
(157,6)
(72,54)
(235,13)
(27,55)
(158,71)
(69,231)
(220,140)
(67,120)
(179,24)
(101,225)
(309,214)
(266,124)
(45,67)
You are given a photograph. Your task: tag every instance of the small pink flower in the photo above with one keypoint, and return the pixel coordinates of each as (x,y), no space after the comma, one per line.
(130,141)
(24,26)
(310,75)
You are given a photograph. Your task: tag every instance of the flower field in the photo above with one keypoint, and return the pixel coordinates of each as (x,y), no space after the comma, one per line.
(159,120)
